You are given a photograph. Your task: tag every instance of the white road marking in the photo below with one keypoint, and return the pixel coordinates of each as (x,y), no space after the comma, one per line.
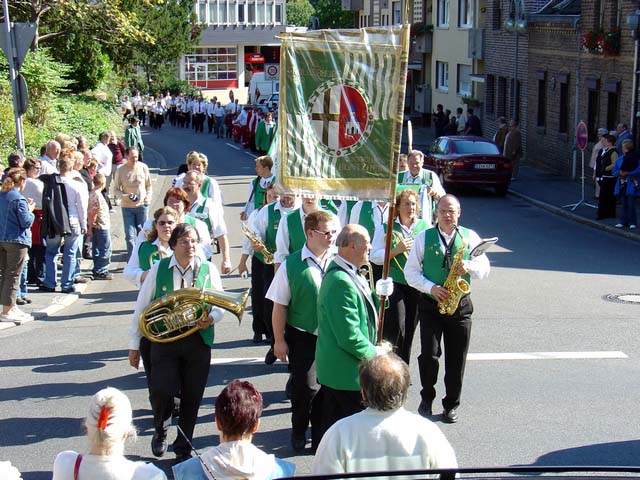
(546,355)
(251,154)
(233,146)
(472,357)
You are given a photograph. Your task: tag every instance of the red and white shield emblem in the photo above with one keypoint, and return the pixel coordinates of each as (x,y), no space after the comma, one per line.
(340,117)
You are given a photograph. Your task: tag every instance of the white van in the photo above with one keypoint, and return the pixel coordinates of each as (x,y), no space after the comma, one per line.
(265,88)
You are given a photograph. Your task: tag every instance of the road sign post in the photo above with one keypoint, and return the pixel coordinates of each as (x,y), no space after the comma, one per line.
(582,138)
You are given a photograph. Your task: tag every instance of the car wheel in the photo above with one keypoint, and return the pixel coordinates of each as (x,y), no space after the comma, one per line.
(501,190)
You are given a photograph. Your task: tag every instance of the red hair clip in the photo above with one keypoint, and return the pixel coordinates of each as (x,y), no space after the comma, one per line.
(103,417)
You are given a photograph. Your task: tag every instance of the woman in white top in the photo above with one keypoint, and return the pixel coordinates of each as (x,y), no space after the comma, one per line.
(109,424)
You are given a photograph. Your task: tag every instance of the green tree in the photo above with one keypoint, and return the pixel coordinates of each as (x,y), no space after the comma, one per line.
(331,15)
(299,12)
(175,30)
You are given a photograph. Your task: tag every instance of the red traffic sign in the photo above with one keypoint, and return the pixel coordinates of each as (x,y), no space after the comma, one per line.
(582,135)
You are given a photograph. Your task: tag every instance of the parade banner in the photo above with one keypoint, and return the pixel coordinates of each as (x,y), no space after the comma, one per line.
(341,109)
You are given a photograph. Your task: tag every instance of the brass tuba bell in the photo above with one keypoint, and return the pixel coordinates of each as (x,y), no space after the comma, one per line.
(176,315)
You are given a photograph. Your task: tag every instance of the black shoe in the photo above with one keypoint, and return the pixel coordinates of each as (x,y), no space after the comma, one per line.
(268,339)
(298,442)
(71,289)
(81,280)
(257,338)
(270,357)
(23,301)
(451,415)
(425,409)
(44,288)
(159,444)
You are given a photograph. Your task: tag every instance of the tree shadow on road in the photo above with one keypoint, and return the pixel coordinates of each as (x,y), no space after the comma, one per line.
(67,363)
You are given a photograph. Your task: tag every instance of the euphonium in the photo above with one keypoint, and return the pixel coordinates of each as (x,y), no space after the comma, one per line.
(176,315)
(455,284)
(250,234)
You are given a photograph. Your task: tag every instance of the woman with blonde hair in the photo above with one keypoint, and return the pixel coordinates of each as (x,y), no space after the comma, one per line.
(108,424)
(16,218)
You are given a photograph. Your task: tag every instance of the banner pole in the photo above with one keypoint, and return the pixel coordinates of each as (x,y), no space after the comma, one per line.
(389,235)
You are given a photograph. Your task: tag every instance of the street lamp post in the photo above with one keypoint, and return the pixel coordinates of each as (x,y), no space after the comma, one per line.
(633,21)
(516,24)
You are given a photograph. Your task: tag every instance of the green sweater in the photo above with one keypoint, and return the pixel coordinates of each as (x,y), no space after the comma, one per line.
(346,331)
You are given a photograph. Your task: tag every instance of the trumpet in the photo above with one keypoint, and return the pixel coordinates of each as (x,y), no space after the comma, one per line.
(251,235)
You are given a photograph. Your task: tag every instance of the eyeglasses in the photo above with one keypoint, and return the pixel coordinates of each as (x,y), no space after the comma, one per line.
(162,223)
(327,234)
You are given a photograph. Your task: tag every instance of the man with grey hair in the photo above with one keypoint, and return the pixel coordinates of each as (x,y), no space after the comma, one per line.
(385,436)
(49,161)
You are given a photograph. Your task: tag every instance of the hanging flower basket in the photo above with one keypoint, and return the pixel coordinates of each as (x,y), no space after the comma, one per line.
(600,42)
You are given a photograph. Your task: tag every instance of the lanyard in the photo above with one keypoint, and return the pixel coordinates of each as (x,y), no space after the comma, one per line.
(446,262)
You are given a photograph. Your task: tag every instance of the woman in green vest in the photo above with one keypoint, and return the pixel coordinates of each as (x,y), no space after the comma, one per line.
(401,317)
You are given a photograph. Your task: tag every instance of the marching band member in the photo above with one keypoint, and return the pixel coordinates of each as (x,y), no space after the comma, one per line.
(209,112)
(401,316)
(426,270)
(291,236)
(257,272)
(258,186)
(430,187)
(294,292)
(155,247)
(347,325)
(370,215)
(204,209)
(210,188)
(184,363)
(137,102)
(178,199)
(266,226)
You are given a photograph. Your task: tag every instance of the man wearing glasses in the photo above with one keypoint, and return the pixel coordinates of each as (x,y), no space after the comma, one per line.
(426,270)
(294,292)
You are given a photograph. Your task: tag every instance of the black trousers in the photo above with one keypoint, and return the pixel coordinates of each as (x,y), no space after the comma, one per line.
(198,122)
(334,405)
(607,200)
(211,122)
(180,367)
(267,277)
(35,265)
(142,117)
(257,296)
(304,384)
(401,319)
(456,330)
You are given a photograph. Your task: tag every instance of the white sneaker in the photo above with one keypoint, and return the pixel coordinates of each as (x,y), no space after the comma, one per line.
(16,316)
(619,225)
(632,226)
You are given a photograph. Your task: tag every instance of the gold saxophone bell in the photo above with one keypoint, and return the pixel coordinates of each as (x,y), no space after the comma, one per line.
(251,235)
(176,315)
(457,286)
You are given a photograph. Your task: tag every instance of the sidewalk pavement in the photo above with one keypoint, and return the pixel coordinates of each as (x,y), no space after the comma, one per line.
(546,190)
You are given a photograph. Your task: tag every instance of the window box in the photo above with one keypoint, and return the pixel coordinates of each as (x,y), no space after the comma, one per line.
(600,42)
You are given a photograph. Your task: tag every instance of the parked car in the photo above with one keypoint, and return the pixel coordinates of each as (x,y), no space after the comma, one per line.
(468,160)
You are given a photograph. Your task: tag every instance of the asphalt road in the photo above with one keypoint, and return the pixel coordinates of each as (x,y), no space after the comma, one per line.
(551,377)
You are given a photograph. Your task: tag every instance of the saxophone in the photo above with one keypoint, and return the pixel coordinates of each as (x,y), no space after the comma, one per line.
(455,284)
(251,235)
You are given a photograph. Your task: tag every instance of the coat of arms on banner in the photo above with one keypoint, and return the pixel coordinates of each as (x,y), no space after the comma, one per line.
(341,107)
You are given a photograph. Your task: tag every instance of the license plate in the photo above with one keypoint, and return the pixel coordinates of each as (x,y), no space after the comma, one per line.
(485,166)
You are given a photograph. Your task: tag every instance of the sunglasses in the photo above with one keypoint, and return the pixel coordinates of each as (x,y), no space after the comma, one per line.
(328,234)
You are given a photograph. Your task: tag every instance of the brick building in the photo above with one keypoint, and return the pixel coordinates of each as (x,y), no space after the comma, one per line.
(583,44)
(501,97)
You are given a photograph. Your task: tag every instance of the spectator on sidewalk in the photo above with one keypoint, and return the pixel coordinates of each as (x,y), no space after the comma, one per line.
(604,176)
(16,218)
(474,126)
(73,213)
(452,127)
(99,229)
(133,187)
(501,134)
(594,155)
(238,410)
(33,190)
(14,160)
(623,134)
(102,153)
(108,424)
(118,150)
(513,147)
(49,161)
(439,120)
(385,436)
(627,171)
(461,121)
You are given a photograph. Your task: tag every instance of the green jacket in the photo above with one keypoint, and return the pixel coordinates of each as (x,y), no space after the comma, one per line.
(346,331)
(133,137)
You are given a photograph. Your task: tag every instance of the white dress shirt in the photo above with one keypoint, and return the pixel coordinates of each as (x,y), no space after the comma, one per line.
(378,243)
(478,267)
(103,155)
(77,201)
(48,165)
(180,276)
(210,211)
(214,194)
(380,214)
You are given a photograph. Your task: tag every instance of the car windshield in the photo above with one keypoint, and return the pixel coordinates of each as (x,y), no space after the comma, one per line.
(470,146)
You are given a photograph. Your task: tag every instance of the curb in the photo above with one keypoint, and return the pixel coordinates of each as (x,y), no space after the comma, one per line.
(56,304)
(576,218)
